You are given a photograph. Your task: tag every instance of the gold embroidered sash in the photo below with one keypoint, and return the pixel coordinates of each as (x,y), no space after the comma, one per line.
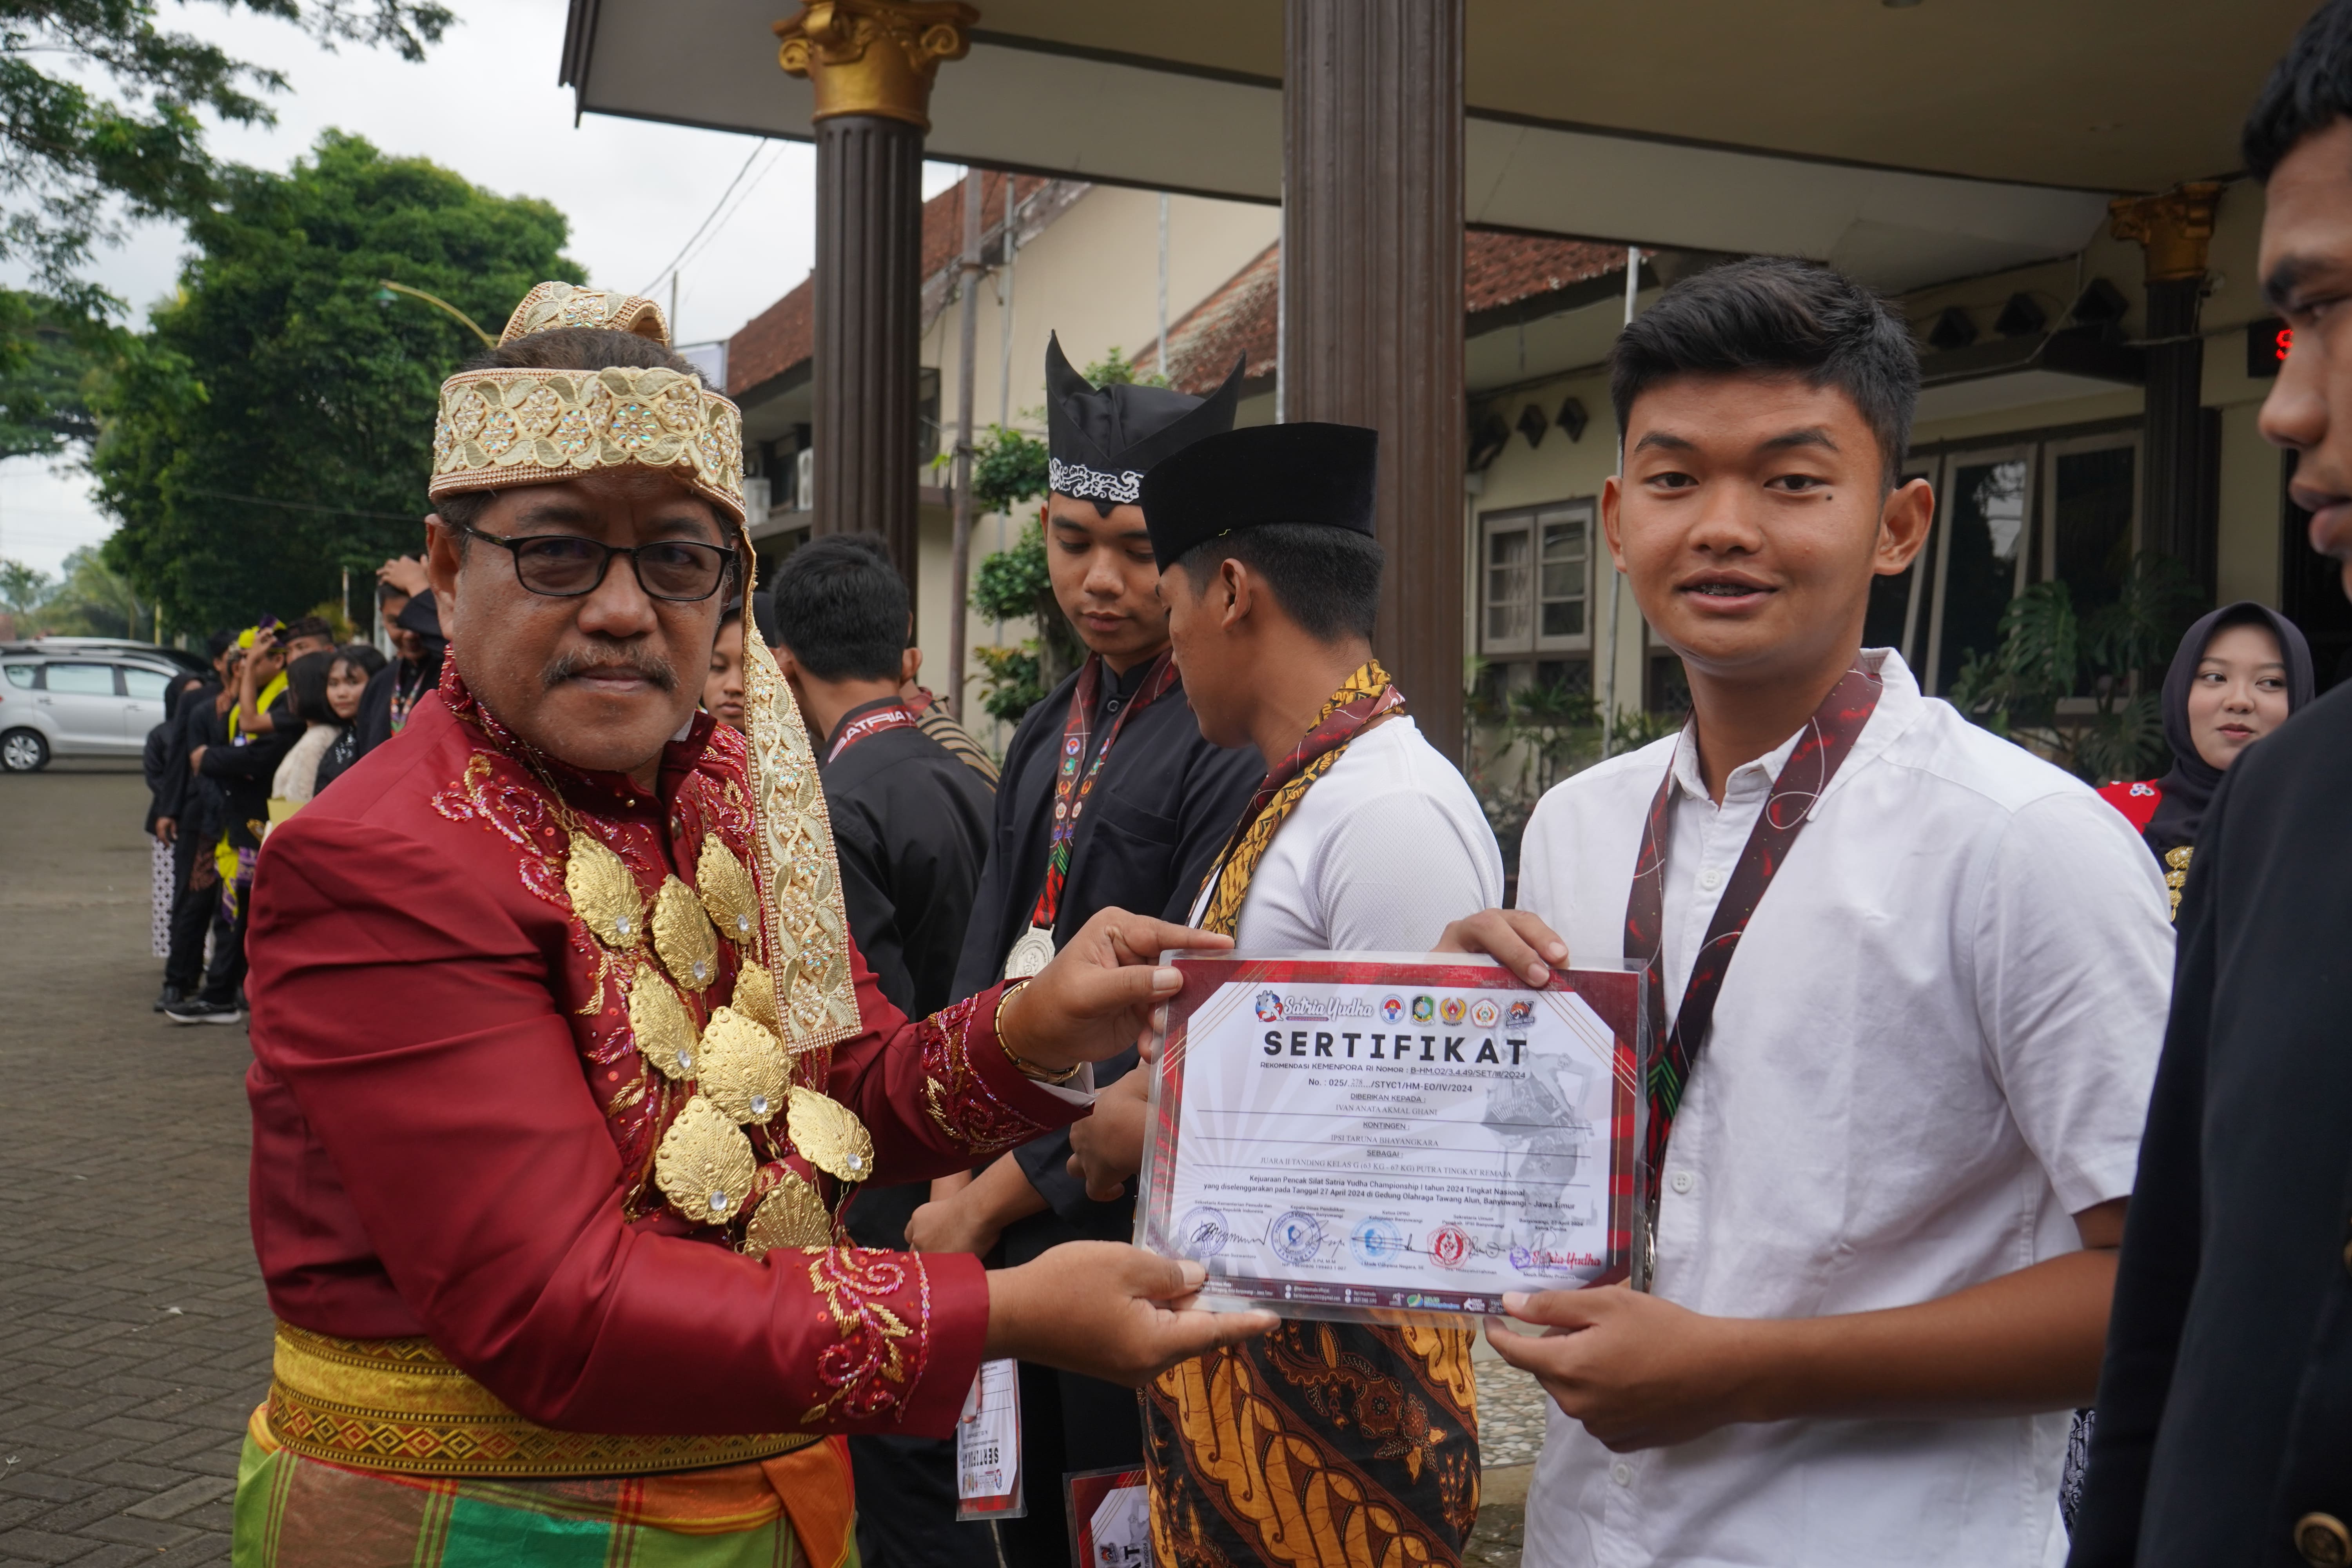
(400,1405)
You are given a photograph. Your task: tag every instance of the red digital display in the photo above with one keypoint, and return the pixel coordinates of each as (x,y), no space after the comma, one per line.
(2267,342)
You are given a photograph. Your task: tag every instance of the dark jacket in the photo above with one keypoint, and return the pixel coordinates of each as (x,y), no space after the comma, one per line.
(1161,809)
(245,768)
(910,831)
(2225,1404)
(421,615)
(204,807)
(910,826)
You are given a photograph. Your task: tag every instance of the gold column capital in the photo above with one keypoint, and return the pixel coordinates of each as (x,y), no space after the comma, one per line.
(875,57)
(2173,228)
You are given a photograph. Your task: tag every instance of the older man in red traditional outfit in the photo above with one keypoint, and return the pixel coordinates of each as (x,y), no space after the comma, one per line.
(565,1064)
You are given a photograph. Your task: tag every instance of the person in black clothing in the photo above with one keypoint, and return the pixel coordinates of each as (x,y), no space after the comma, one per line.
(255,737)
(910,829)
(2224,1430)
(1147,804)
(193,824)
(346,681)
(399,685)
(166,770)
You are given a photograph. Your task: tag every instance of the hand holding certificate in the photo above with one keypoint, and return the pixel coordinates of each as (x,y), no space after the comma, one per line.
(1370,1136)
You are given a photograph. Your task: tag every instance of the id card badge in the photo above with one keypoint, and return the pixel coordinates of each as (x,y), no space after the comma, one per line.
(1111,1518)
(987,1445)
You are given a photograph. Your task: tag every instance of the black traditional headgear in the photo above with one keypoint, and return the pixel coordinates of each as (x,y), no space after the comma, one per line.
(1261,474)
(1101,441)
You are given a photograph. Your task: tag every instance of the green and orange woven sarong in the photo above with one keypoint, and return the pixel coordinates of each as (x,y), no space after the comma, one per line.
(793,1511)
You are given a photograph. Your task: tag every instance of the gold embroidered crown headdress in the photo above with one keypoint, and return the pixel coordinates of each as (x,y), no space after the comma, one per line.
(507,427)
(522,427)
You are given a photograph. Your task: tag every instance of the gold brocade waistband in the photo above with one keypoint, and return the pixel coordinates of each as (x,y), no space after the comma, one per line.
(399,1405)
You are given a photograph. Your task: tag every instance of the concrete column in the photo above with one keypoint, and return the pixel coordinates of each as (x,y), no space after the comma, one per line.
(1372,302)
(2179,510)
(872,63)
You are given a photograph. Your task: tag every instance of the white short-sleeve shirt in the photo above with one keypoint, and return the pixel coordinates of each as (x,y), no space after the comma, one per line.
(1383,853)
(1933,1047)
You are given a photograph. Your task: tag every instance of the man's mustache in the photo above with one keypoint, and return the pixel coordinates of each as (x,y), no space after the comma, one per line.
(630,656)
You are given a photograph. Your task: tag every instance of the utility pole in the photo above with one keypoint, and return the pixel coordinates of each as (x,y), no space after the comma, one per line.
(1159,355)
(1617,578)
(959,557)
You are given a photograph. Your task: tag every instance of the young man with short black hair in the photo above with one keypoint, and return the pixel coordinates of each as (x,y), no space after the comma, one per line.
(1359,836)
(1110,798)
(1891,1165)
(2225,1406)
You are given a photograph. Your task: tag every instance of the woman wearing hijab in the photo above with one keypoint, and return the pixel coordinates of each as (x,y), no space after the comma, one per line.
(2239,673)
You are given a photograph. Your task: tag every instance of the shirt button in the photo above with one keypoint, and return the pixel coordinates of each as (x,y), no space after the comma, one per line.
(2322,1540)
(1622,1474)
(1682,1181)
(1710,879)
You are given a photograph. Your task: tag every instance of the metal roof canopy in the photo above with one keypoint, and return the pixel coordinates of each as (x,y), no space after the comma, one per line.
(1906,145)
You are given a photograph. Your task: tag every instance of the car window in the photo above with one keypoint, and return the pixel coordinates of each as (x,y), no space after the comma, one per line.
(27,675)
(83,680)
(147,685)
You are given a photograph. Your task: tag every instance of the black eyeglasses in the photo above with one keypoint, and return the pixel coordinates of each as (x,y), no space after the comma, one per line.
(565,565)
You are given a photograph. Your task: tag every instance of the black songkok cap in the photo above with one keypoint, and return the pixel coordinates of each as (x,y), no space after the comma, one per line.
(1102,440)
(1261,474)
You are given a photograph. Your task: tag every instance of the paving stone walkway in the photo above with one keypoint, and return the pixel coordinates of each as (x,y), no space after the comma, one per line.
(134,1340)
(134,1337)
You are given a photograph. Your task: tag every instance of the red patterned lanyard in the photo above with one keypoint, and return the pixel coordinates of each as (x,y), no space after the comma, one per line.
(1073,781)
(896,716)
(1828,736)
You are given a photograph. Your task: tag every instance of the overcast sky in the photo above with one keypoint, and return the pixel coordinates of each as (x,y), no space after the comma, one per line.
(485,104)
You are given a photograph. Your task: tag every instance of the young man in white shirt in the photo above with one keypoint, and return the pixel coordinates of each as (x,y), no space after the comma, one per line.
(1362,837)
(1894,1170)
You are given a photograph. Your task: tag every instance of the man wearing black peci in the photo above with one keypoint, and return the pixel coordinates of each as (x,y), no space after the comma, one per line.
(1110,798)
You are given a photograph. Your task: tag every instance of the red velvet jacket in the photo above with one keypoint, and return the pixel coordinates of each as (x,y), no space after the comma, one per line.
(454,1133)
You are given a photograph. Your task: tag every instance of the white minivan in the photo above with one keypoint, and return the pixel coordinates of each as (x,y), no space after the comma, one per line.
(77,704)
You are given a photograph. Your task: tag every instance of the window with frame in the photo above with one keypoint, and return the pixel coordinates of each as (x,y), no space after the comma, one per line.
(1534,579)
(2035,509)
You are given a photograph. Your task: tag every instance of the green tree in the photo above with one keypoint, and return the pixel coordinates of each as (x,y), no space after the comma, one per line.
(1117,369)
(23,590)
(274,425)
(100,124)
(1010,586)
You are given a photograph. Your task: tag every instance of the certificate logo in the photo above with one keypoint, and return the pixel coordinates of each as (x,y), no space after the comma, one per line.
(1425,1008)
(1484,1013)
(1295,1236)
(1269,1007)
(1520,1015)
(1450,1248)
(1391,1008)
(1203,1234)
(1521,1257)
(1377,1242)
(1452,1009)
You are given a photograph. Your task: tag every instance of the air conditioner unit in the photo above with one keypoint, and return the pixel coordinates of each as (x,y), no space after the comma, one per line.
(804,480)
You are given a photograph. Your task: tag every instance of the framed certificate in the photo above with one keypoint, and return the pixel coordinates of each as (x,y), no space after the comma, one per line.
(1381,1136)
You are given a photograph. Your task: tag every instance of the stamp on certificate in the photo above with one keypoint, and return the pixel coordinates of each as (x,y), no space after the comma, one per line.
(1449,1248)
(1296,1237)
(1377,1242)
(1203,1233)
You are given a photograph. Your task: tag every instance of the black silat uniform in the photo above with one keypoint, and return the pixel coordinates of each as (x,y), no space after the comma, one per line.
(1159,811)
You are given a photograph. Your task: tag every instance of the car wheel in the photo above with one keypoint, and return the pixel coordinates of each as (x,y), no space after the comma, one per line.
(24,752)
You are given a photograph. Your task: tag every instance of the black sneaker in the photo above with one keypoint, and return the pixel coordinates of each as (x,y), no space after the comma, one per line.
(199,1011)
(172,997)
